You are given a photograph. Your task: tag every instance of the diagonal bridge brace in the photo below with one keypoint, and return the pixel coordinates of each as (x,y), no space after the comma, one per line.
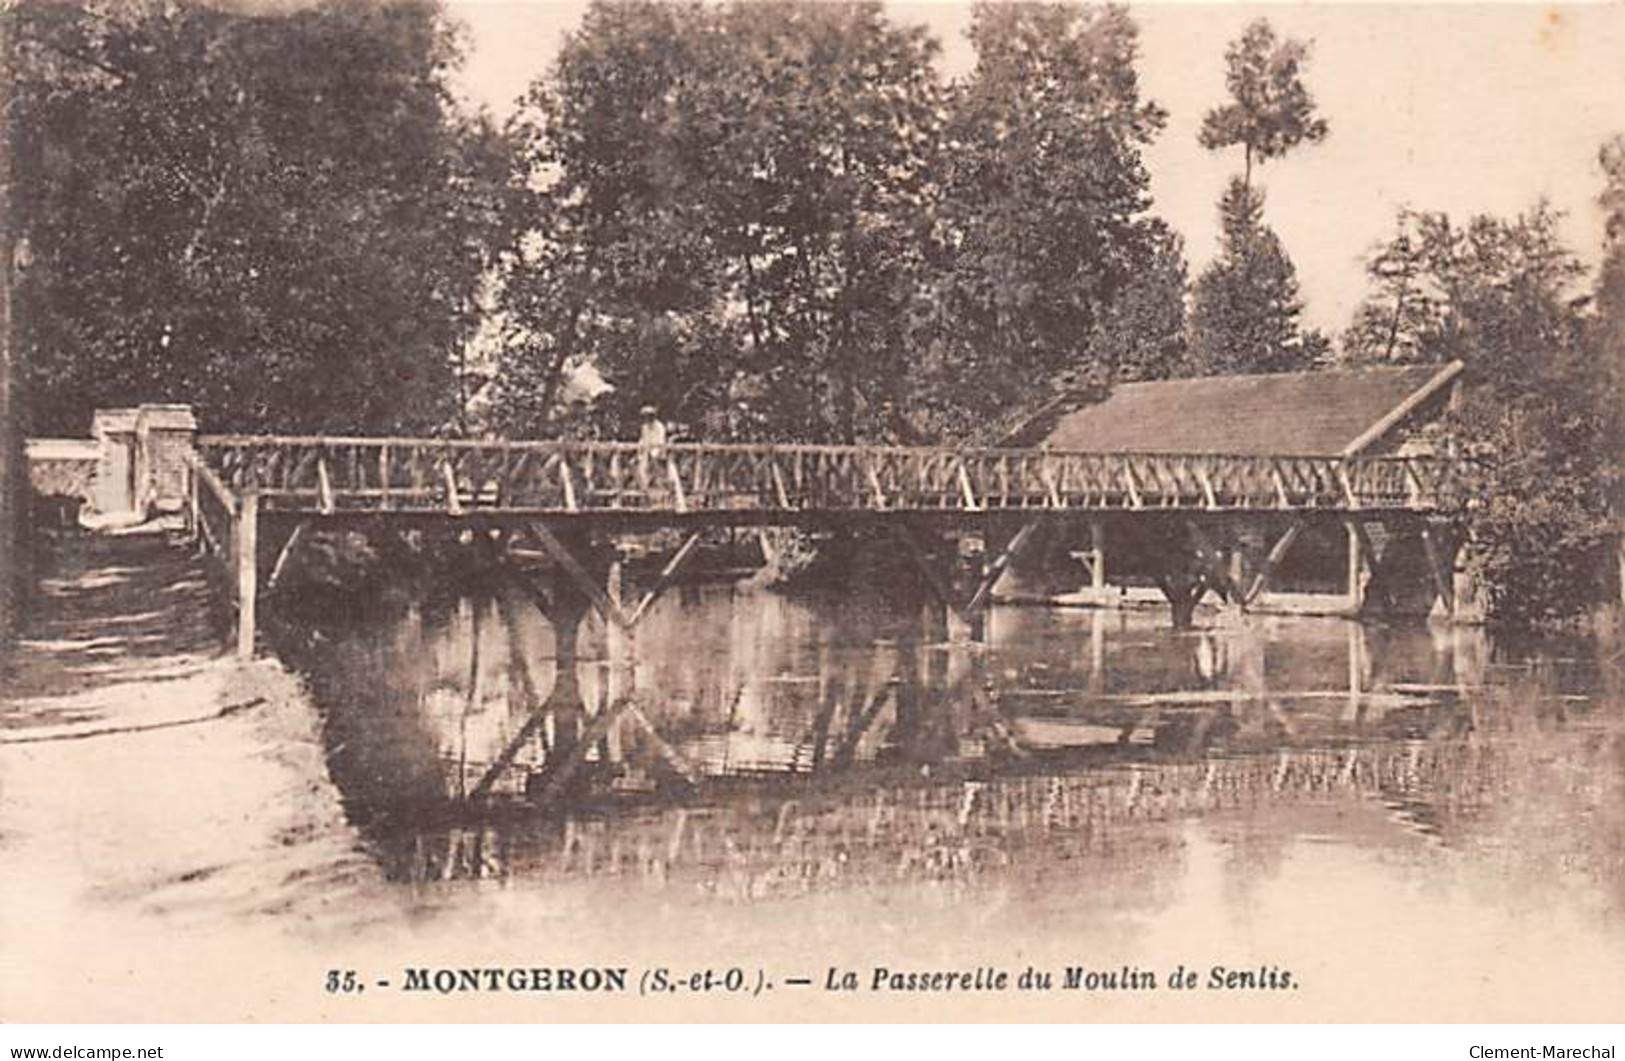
(537,708)
(1272,562)
(607,608)
(927,565)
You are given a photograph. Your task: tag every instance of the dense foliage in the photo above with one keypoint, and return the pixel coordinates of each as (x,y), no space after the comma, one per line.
(1044,212)
(1245,307)
(721,210)
(777,220)
(1537,420)
(280,218)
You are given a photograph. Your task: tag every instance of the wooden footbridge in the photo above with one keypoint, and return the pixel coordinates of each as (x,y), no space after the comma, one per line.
(253,497)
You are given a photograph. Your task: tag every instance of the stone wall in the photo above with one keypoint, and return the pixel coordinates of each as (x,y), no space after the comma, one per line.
(135,463)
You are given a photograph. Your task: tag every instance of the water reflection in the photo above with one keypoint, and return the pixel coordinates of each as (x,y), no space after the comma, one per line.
(751,745)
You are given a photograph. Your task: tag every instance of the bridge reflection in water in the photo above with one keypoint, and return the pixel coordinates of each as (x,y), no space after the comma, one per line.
(758,745)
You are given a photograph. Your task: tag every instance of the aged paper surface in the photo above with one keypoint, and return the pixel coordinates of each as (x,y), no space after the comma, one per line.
(823,804)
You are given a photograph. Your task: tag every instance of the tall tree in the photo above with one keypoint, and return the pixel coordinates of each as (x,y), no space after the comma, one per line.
(1610,289)
(1245,307)
(280,218)
(605,267)
(1271,110)
(1608,341)
(13,467)
(826,180)
(733,196)
(1044,215)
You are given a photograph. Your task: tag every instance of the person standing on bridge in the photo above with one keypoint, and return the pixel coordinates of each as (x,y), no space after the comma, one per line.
(651,445)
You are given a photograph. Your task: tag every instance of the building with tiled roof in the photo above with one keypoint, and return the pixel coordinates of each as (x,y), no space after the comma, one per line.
(1299,414)
(1343,412)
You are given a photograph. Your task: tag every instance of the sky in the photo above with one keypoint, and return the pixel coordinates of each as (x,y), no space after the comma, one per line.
(1466,108)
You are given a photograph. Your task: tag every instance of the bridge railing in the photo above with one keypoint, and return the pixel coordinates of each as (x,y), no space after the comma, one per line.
(370,474)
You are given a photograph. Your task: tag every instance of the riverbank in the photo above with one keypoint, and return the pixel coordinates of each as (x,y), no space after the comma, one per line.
(155,794)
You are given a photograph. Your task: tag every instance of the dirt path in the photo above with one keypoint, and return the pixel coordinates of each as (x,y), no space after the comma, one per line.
(155,794)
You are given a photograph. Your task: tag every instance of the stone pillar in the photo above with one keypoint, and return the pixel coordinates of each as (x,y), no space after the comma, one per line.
(163,435)
(115,489)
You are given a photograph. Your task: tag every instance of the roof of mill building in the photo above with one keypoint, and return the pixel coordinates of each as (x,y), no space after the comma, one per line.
(1327,413)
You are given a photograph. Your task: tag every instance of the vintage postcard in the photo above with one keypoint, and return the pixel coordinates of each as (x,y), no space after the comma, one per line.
(811,511)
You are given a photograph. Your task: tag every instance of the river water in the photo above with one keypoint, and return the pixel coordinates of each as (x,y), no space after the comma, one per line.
(1415,822)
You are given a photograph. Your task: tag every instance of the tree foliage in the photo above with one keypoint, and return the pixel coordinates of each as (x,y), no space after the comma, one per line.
(1044,214)
(731,199)
(281,219)
(778,221)
(1441,290)
(1141,335)
(1608,335)
(1390,324)
(1534,418)
(1271,110)
(1245,307)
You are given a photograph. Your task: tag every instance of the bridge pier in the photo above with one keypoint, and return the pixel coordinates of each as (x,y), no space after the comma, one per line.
(564,607)
(586,575)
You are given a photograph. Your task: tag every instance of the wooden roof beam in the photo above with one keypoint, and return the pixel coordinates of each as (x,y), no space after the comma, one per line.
(1440,380)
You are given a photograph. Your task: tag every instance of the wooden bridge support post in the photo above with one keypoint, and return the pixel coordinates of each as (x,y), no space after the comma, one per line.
(1357,671)
(992,573)
(1375,593)
(1356,567)
(1277,553)
(1097,652)
(247,552)
(194,533)
(284,555)
(1097,560)
(567,607)
(1441,568)
(622,678)
(563,607)
(936,572)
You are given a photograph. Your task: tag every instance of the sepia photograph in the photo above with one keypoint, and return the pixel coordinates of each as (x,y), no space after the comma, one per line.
(804,511)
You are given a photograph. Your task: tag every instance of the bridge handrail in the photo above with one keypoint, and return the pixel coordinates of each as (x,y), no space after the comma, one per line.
(574,475)
(744,448)
(211,479)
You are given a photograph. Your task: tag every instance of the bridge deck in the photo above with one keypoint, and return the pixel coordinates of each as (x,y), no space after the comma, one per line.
(745,483)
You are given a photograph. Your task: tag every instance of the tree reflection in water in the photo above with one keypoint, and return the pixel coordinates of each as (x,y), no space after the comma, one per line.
(753,745)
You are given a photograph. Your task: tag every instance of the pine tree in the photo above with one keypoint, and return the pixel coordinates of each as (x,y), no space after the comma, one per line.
(1271,111)
(1245,306)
